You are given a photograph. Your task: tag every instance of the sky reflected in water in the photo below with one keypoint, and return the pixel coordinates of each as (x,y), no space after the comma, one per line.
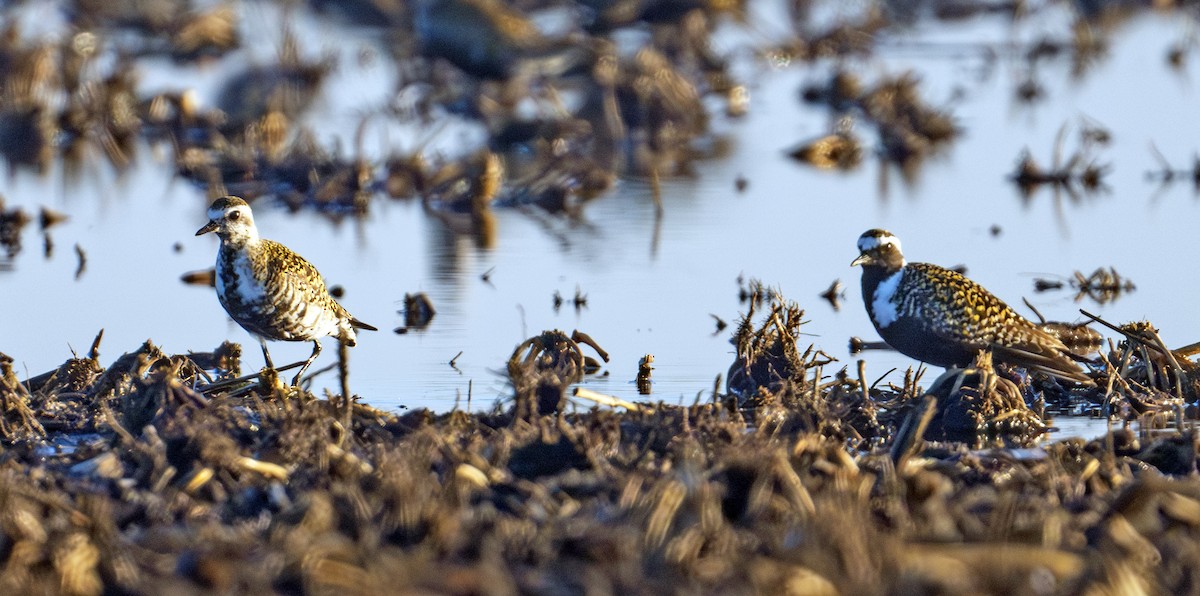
(654,286)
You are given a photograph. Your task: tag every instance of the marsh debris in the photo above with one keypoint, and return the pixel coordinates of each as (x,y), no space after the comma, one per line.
(858,345)
(834,294)
(752,290)
(202,277)
(1102,286)
(1167,174)
(150,476)
(12,223)
(542,367)
(1080,172)
(840,151)
(909,128)
(418,312)
(489,39)
(80,261)
(286,88)
(48,218)
(580,300)
(645,370)
(778,384)
(981,402)
(720,323)
(184,490)
(1148,379)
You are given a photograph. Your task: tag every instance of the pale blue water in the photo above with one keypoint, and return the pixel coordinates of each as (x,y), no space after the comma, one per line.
(652,291)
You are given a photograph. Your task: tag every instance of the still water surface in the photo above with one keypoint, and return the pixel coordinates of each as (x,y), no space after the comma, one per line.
(653,286)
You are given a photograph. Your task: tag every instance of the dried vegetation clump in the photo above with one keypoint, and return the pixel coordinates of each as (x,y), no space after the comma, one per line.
(143,477)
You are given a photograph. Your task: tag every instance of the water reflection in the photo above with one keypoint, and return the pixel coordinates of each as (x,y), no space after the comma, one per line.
(655,273)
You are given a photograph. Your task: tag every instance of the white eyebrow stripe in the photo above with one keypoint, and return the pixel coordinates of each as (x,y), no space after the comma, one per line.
(866,243)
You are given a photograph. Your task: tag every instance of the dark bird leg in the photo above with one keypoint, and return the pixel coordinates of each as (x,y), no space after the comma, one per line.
(266,355)
(316,351)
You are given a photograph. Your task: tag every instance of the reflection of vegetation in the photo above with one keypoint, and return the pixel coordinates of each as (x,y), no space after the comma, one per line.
(909,128)
(1080,171)
(646,109)
(1167,175)
(1101,286)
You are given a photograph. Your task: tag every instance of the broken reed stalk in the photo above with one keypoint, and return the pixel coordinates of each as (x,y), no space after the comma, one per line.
(580,337)
(911,436)
(656,193)
(1151,339)
(607,400)
(862,379)
(344,378)
(236,381)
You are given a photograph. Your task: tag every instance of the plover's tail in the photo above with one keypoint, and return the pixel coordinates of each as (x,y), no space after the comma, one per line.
(357,324)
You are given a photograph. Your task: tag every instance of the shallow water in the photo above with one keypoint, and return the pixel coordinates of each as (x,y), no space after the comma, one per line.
(652,286)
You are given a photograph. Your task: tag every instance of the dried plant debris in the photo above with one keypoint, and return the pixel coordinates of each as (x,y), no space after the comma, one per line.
(1101,286)
(780,385)
(1146,378)
(648,103)
(645,370)
(840,151)
(128,479)
(1167,174)
(542,367)
(202,277)
(752,290)
(418,312)
(490,40)
(834,294)
(1081,171)
(858,345)
(909,128)
(12,223)
(980,401)
(645,110)
(48,218)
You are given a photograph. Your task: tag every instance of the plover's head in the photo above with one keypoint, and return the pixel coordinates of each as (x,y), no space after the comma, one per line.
(879,248)
(231,219)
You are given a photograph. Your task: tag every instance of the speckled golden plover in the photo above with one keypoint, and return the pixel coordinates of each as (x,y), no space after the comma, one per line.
(940,317)
(271,291)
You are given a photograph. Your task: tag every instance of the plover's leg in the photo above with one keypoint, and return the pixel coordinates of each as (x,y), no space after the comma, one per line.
(316,351)
(266,355)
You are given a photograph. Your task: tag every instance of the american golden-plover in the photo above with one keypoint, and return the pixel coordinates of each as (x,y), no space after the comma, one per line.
(940,317)
(271,291)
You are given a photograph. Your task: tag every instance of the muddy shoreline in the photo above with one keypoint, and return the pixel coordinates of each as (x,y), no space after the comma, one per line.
(155,476)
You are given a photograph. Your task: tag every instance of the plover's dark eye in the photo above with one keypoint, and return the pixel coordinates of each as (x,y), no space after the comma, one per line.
(234,215)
